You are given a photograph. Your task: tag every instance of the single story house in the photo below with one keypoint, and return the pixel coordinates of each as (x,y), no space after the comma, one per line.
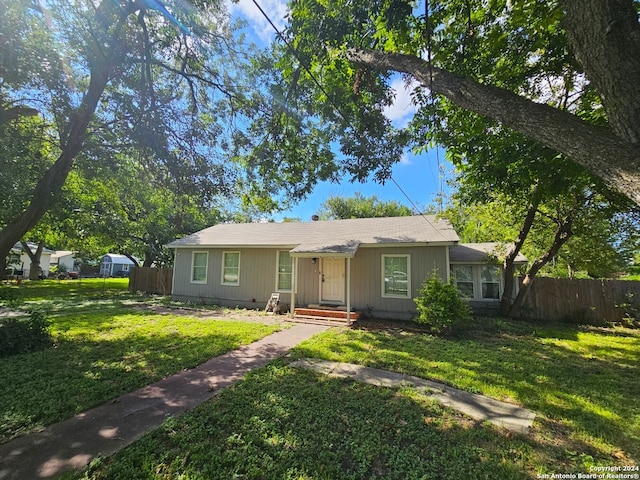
(19,261)
(372,265)
(65,261)
(113,265)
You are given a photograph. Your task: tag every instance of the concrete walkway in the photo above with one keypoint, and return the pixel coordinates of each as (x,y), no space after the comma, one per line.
(73,443)
(479,407)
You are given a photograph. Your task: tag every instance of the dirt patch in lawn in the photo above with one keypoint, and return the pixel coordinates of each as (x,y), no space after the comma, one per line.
(244,315)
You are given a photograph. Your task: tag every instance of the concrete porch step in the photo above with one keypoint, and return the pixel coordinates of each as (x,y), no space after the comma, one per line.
(332,322)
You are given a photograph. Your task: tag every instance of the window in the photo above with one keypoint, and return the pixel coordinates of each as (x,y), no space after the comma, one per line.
(478,282)
(231,268)
(463,277)
(285,272)
(199,262)
(396,275)
(490,282)
(14,259)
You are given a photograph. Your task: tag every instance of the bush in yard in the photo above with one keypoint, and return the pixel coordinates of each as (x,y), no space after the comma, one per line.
(441,307)
(24,335)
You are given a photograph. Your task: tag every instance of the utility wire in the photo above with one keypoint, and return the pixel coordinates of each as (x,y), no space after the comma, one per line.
(433,101)
(322,89)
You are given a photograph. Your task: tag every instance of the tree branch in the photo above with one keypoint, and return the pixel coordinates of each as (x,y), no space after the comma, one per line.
(597,149)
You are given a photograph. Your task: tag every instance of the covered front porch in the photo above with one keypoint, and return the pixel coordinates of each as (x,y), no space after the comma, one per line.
(333,262)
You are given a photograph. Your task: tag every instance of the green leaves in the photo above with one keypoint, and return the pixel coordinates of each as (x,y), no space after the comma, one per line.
(441,307)
(359,206)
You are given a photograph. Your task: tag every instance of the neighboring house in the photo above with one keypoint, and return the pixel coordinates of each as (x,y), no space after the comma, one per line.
(114,265)
(65,261)
(19,261)
(476,270)
(374,265)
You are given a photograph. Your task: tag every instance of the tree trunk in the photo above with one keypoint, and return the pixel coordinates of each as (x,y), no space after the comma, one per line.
(49,186)
(597,149)
(605,37)
(103,58)
(509,262)
(563,233)
(34,270)
(148,259)
(132,258)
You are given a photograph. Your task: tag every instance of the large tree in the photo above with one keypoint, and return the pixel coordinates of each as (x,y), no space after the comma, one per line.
(359,206)
(497,59)
(115,80)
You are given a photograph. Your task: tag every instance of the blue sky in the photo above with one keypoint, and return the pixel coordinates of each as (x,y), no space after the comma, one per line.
(416,175)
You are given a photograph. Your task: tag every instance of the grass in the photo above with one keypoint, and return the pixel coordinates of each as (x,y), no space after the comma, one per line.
(583,382)
(288,424)
(105,346)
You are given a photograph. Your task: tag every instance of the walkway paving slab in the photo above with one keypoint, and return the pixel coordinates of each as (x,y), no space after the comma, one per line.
(479,407)
(103,430)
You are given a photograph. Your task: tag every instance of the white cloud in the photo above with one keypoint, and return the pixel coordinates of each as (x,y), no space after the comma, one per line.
(275,9)
(405,159)
(402,109)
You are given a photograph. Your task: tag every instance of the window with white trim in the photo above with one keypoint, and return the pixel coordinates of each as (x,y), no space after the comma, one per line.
(284,280)
(490,282)
(396,276)
(231,268)
(478,282)
(463,278)
(199,263)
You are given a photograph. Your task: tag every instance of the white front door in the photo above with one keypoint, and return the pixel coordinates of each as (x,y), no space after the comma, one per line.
(332,282)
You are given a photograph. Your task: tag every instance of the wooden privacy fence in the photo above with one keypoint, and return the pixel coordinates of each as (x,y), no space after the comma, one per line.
(584,300)
(151,280)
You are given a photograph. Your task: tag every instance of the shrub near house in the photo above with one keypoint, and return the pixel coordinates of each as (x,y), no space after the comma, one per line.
(441,307)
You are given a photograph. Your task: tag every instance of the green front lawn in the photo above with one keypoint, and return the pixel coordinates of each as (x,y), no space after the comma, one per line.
(281,423)
(103,348)
(582,382)
(61,289)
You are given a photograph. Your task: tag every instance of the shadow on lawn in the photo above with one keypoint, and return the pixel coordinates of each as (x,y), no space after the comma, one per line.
(285,423)
(576,391)
(83,371)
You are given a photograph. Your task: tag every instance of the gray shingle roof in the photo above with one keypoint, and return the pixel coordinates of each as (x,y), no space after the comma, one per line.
(364,231)
(480,252)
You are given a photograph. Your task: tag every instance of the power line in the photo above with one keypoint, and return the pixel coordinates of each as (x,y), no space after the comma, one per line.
(322,89)
(427,20)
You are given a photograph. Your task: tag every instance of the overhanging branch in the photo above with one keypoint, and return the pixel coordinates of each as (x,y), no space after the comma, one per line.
(597,149)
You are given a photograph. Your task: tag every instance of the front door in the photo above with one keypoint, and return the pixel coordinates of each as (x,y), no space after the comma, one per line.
(333,282)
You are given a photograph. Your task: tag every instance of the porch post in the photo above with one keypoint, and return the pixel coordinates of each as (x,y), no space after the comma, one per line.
(294,284)
(349,290)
